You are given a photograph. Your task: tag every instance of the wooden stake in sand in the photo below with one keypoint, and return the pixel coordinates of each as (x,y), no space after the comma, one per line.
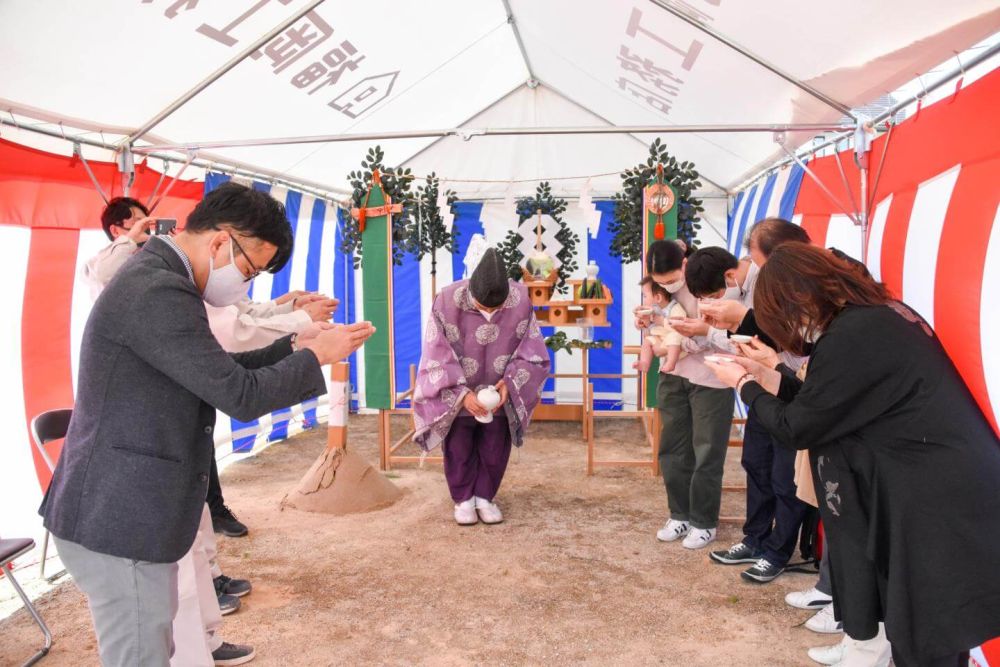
(340,481)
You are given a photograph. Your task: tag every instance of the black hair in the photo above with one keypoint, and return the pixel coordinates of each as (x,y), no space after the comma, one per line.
(663,257)
(118,211)
(772,232)
(706,270)
(249,213)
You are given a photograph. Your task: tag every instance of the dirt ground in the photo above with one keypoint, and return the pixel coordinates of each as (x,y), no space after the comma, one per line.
(574,576)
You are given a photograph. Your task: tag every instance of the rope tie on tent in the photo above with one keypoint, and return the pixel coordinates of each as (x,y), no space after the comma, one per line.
(961,78)
(920,100)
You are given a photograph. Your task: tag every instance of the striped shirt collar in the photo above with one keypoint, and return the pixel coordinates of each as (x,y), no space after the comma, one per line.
(180,253)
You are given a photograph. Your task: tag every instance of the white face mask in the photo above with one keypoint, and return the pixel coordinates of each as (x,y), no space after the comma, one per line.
(734,292)
(673,287)
(225,286)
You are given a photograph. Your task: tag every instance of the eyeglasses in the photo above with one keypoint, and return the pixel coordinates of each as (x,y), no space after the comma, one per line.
(256,271)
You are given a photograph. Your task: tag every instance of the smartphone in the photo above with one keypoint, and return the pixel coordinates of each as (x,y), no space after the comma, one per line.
(164,226)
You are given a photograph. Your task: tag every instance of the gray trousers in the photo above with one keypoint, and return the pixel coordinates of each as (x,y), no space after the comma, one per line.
(694,435)
(132,603)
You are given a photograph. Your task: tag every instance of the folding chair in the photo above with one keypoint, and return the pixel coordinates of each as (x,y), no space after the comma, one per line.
(45,428)
(9,550)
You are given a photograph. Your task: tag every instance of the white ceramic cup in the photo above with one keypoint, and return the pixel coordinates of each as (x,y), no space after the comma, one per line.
(489,398)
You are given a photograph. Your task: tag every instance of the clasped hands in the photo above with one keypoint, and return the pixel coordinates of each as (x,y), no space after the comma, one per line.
(318,306)
(476,409)
(333,342)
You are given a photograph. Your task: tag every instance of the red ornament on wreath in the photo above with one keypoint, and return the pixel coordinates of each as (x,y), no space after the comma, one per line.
(659,200)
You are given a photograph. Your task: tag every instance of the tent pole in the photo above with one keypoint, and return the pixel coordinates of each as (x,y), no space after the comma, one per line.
(78,153)
(780,140)
(979,58)
(126,166)
(163,174)
(219,73)
(847,186)
(171,184)
(206,161)
(517,37)
(862,152)
(645,145)
(774,69)
(468,133)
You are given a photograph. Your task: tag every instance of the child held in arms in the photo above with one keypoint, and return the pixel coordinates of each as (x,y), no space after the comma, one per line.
(482,335)
(661,340)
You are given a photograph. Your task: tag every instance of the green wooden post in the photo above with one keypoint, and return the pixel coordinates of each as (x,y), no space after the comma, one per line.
(648,236)
(376,280)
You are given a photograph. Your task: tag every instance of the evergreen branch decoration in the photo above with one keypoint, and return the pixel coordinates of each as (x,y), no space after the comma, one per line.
(560,341)
(396,183)
(528,207)
(628,219)
(427,232)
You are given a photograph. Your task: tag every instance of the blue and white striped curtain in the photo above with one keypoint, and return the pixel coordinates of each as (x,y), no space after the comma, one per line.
(773,195)
(317,264)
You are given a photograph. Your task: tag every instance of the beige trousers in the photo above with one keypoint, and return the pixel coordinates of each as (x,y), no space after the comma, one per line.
(198,618)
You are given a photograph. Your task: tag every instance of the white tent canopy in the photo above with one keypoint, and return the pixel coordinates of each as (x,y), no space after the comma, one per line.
(111,68)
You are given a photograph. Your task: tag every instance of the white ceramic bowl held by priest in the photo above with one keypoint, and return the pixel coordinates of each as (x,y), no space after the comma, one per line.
(489,398)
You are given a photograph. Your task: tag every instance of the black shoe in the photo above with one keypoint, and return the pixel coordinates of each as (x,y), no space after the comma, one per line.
(736,554)
(226,585)
(225,522)
(232,654)
(229,604)
(762,572)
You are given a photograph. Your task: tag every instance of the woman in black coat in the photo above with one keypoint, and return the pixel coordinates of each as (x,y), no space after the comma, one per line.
(905,464)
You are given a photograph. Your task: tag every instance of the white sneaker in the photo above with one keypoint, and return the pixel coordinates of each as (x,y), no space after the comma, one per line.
(824,622)
(829,655)
(465,513)
(488,512)
(672,530)
(699,538)
(810,599)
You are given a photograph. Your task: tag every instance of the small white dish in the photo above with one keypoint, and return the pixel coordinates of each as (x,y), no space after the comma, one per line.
(740,338)
(719,360)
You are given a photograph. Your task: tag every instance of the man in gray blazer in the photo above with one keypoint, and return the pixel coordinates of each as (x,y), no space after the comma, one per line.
(127,495)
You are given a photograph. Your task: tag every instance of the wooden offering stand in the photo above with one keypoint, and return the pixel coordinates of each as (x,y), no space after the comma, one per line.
(566,312)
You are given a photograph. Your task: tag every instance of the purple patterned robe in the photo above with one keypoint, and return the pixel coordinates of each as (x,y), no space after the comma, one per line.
(463,351)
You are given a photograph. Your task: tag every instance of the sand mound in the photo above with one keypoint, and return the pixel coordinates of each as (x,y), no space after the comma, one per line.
(341,482)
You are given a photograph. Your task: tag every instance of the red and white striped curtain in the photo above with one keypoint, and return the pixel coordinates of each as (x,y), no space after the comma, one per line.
(934,238)
(49,227)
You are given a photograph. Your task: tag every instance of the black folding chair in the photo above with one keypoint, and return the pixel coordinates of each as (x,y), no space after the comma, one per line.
(9,550)
(45,428)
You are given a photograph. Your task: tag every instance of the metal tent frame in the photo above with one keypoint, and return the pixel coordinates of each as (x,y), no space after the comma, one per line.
(193,152)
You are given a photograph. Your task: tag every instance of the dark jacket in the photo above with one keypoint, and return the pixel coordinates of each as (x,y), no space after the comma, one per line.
(132,477)
(906,469)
